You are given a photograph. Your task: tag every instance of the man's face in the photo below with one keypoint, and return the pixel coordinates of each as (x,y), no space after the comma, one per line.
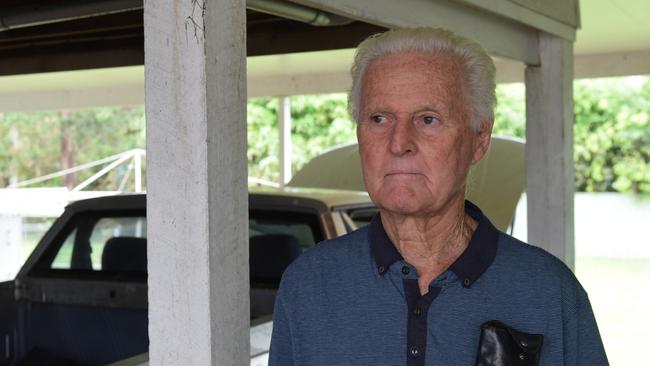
(415,140)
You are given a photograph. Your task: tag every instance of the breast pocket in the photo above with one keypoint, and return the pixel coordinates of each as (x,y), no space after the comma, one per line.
(501,345)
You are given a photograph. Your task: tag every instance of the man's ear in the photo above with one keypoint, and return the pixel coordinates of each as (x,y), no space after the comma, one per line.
(482,141)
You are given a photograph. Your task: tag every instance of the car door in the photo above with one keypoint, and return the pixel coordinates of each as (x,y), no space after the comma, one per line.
(83,300)
(8,324)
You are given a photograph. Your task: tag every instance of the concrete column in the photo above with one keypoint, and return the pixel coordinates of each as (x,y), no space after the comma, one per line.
(197,205)
(284,119)
(549,148)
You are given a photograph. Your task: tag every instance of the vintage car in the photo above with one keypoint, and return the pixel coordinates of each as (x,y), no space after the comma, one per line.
(81,297)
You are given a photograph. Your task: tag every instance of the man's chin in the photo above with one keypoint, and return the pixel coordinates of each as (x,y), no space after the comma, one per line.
(402,207)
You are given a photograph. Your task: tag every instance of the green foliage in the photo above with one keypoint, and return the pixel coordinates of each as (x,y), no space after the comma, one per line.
(510,113)
(263,139)
(31,143)
(611,131)
(27,149)
(318,123)
(612,136)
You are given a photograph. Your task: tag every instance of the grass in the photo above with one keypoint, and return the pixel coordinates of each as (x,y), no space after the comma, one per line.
(619,290)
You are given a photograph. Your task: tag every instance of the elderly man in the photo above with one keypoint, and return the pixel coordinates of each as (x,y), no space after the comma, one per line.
(430,281)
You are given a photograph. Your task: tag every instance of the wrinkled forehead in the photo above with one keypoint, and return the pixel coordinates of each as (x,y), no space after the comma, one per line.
(410,58)
(405,81)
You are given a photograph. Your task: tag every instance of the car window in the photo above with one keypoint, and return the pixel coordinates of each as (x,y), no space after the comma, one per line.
(109,229)
(64,256)
(277,238)
(361,216)
(95,243)
(304,227)
(101,241)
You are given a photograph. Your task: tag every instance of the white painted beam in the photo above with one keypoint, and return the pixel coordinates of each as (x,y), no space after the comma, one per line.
(72,98)
(612,64)
(197,205)
(549,148)
(586,66)
(500,36)
(284,119)
(509,71)
(526,15)
(298,84)
(279,82)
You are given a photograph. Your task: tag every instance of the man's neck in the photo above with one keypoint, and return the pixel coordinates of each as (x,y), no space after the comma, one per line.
(431,243)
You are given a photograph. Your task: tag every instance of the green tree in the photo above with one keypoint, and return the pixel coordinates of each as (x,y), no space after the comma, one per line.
(611,131)
(510,113)
(612,135)
(319,122)
(263,139)
(31,144)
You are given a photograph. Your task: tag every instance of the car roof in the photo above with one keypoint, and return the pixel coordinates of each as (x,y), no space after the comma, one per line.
(137,201)
(111,202)
(330,197)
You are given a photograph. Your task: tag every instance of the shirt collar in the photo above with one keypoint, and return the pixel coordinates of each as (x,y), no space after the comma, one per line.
(469,266)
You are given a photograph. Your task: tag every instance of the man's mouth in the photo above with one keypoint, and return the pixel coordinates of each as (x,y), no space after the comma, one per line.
(401,172)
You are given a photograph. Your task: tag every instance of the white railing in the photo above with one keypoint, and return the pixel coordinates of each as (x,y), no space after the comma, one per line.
(134,157)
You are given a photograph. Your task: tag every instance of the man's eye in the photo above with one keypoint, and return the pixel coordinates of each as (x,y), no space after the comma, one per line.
(429,120)
(378,119)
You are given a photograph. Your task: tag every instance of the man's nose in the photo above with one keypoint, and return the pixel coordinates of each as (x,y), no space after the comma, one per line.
(402,139)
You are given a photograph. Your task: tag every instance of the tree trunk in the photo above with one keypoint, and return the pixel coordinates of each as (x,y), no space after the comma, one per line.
(15,145)
(67,149)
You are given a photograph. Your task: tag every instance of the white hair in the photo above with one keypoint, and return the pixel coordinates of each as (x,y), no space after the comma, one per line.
(478,67)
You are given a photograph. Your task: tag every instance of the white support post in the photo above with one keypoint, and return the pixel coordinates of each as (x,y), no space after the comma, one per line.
(549,148)
(284,119)
(197,202)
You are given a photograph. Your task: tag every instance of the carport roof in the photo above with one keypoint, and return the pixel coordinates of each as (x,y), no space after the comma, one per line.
(611,29)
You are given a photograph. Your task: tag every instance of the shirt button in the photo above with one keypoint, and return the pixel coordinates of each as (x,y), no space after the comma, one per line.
(406,270)
(466,282)
(417,311)
(381,269)
(414,352)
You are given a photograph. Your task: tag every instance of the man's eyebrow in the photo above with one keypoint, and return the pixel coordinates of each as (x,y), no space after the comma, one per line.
(426,108)
(383,108)
(375,109)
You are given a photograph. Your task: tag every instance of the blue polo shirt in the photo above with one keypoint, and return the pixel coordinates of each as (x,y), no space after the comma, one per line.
(355,301)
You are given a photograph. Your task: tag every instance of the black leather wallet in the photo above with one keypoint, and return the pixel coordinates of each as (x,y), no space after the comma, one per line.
(501,345)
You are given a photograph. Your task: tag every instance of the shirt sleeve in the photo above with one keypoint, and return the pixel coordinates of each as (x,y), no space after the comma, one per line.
(281,351)
(589,350)
(581,338)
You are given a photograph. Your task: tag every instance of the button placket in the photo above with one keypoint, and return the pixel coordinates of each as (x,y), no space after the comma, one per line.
(418,306)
